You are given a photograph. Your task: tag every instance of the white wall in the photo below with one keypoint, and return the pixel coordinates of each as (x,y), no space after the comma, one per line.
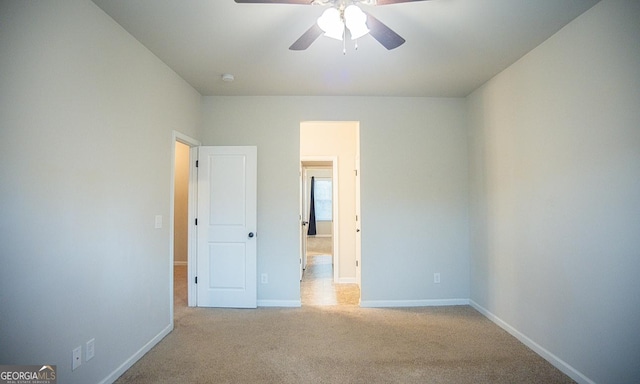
(555,195)
(86,117)
(338,138)
(414,189)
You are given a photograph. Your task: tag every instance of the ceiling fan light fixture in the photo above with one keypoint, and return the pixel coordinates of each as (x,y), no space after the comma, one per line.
(331,23)
(356,21)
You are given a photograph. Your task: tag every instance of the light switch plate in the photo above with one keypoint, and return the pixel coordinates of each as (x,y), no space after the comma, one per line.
(90,350)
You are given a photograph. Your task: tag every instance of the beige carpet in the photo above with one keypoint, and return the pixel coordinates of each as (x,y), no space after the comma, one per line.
(339,344)
(319,245)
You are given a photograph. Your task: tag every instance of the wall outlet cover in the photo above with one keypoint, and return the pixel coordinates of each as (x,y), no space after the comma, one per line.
(77,358)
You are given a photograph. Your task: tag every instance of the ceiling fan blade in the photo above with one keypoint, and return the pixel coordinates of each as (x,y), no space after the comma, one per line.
(304,2)
(385,35)
(387,2)
(307,38)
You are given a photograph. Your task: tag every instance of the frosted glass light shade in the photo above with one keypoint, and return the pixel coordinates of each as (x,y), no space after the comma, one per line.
(331,23)
(356,21)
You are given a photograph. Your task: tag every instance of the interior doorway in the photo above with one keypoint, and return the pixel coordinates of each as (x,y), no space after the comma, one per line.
(319,278)
(319,201)
(329,155)
(182,221)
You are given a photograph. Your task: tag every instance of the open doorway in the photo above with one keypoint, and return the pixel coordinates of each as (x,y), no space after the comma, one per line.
(320,239)
(319,206)
(182,231)
(180,224)
(329,255)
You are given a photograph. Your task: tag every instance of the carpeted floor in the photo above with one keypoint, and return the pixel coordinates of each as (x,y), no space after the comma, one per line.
(319,245)
(339,344)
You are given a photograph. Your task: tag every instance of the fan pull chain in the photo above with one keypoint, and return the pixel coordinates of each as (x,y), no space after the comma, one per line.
(344,45)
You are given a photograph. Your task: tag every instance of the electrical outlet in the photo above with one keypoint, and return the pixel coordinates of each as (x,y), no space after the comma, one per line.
(77,358)
(436,278)
(90,350)
(264,278)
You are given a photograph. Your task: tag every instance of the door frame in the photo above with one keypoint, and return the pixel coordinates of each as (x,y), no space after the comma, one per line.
(178,137)
(335,196)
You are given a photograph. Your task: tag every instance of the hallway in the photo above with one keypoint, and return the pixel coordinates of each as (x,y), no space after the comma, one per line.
(317,287)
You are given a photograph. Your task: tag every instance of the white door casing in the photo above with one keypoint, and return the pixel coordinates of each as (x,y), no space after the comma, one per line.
(329,162)
(227,221)
(303,222)
(358,224)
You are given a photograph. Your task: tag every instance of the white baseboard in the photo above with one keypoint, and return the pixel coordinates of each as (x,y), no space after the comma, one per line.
(537,348)
(175,262)
(346,280)
(113,376)
(412,303)
(280,303)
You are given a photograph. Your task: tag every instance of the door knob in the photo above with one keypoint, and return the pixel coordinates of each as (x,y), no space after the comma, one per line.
(250,234)
(358,230)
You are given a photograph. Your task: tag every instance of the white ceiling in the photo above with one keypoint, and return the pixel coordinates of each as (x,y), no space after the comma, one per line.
(453,46)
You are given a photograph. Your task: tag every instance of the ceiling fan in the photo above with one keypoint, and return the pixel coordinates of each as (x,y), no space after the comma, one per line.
(343,13)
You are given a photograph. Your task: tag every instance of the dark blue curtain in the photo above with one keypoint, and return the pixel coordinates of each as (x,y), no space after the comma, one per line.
(312,211)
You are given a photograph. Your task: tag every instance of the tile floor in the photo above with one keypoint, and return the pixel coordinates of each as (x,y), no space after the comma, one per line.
(317,287)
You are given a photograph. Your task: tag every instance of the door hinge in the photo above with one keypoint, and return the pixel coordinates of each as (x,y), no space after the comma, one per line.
(356,263)
(196,221)
(356,172)
(196,163)
(196,279)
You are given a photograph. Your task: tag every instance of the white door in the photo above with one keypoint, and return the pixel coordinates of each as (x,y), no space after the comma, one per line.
(226,260)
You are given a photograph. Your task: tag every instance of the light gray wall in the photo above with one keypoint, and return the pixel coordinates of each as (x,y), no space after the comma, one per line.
(86,117)
(555,194)
(414,188)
